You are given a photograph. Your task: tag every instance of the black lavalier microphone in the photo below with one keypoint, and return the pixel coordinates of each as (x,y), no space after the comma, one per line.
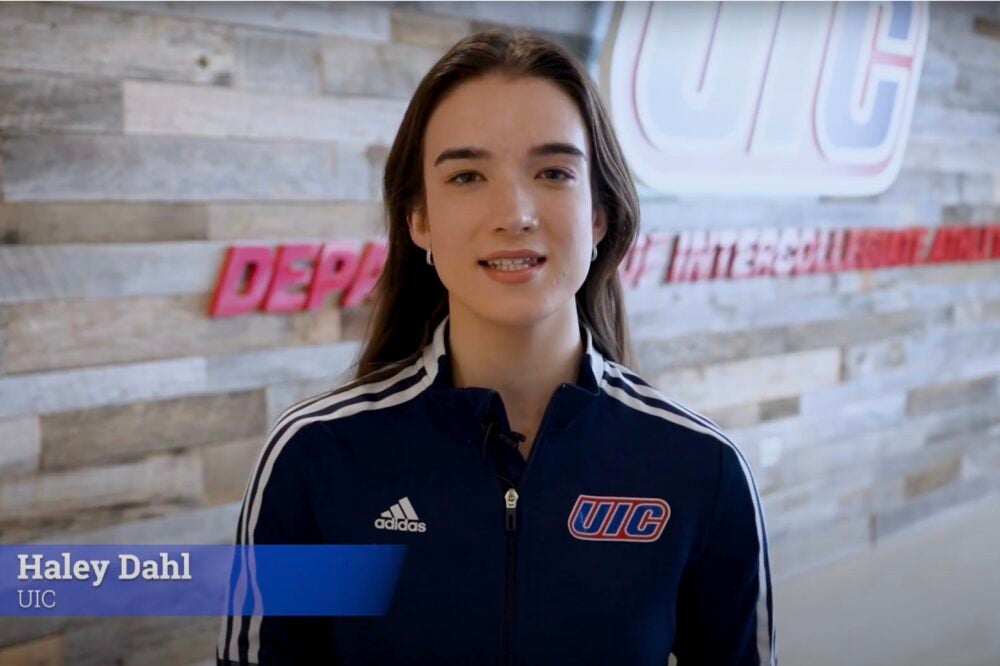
(495,433)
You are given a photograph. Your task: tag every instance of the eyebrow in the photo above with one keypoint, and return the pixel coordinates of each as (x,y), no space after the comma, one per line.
(473,153)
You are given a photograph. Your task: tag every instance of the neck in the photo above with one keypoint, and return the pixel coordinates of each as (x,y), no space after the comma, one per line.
(524,363)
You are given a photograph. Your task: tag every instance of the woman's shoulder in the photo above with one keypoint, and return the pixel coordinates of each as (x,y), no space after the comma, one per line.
(640,397)
(630,389)
(351,400)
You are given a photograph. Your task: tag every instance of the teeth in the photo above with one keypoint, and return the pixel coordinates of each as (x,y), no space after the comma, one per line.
(512,264)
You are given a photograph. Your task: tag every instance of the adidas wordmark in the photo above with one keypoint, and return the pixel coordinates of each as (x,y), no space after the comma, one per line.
(400,517)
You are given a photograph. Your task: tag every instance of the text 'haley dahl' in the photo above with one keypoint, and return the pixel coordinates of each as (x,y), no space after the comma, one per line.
(131,567)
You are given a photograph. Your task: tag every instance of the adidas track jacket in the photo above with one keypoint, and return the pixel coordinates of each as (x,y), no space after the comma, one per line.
(633,530)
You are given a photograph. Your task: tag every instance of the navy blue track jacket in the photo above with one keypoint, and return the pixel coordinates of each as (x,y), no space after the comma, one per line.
(633,530)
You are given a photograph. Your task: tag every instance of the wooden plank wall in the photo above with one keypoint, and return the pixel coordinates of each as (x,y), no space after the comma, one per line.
(138,140)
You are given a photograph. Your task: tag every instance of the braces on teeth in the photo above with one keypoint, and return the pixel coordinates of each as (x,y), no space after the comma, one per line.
(511,264)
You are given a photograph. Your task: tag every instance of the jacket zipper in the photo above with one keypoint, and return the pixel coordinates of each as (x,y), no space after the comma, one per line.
(510,508)
(510,498)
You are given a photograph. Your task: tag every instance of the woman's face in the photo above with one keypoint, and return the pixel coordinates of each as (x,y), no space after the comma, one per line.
(509,216)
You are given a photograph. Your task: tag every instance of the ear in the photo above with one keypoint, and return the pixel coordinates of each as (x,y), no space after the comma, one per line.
(600,225)
(420,231)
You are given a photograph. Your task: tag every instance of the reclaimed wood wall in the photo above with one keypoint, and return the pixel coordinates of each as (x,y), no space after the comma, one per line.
(138,140)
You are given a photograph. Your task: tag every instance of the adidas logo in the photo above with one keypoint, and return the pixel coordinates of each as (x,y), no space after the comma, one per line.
(401,518)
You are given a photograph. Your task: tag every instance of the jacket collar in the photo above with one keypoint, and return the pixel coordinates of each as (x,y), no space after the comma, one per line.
(468,407)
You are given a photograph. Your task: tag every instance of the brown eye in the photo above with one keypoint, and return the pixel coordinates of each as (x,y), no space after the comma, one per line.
(459,178)
(560,175)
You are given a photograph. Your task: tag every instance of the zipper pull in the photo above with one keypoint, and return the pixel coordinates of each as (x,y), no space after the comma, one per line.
(510,501)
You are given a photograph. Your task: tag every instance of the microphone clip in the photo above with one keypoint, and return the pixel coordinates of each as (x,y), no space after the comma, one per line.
(494,431)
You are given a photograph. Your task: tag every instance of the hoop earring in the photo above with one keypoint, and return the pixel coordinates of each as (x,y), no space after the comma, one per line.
(430,259)
(593,255)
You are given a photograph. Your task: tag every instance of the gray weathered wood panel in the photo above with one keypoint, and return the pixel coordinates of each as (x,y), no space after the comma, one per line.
(37,100)
(89,168)
(42,393)
(572,18)
(928,357)
(142,222)
(81,39)
(973,156)
(152,640)
(156,479)
(226,468)
(980,214)
(335,19)
(98,222)
(950,125)
(20,445)
(170,109)
(759,378)
(952,32)
(576,26)
(973,311)
(953,394)
(356,67)
(326,221)
(924,186)
(742,305)
(889,521)
(875,359)
(43,272)
(234,372)
(44,651)
(64,334)
(689,213)
(278,62)
(425,29)
(961,85)
(211,524)
(116,433)
(663,352)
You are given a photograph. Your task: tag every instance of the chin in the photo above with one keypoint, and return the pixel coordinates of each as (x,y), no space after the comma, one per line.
(516,312)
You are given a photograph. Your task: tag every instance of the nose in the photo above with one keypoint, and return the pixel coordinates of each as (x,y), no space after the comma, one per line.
(515,209)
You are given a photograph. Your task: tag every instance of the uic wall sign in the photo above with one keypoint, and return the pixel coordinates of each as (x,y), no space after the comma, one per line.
(304,276)
(764,98)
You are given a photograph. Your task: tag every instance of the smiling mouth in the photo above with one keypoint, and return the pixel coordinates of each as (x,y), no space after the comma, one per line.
(512,264)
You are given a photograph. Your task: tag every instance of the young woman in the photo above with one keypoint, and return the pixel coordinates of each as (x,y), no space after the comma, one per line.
(556,508)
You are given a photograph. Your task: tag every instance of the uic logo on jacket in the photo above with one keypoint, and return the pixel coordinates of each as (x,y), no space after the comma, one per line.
(596,518)
(401,517)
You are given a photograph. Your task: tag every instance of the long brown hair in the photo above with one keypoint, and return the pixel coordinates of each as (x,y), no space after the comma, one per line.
(410,300)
